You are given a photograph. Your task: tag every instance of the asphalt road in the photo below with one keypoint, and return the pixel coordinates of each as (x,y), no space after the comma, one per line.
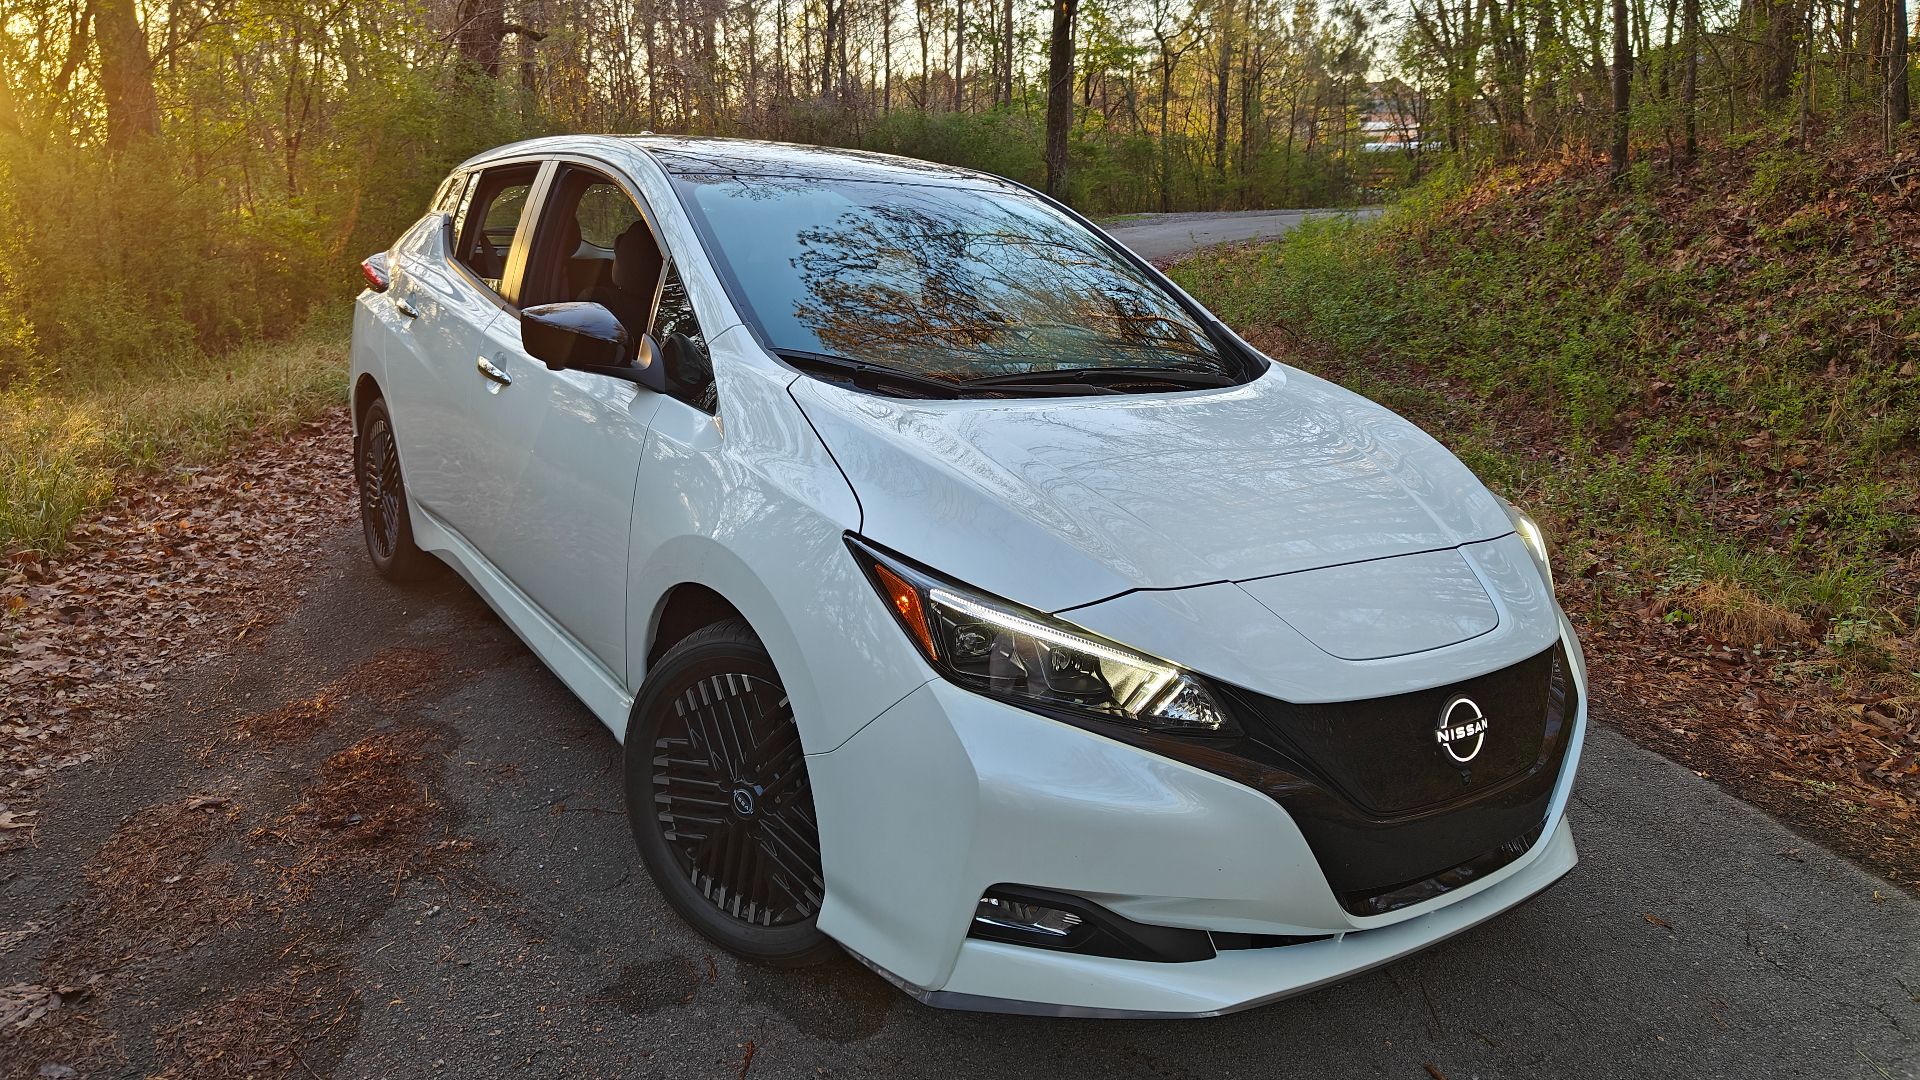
(1158,236)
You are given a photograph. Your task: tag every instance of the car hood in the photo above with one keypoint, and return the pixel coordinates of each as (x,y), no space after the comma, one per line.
(1056,503)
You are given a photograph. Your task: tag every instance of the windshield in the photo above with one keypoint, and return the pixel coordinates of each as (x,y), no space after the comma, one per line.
(951,283)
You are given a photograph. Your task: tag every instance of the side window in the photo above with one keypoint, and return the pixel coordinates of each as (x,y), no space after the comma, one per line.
(675,315)
(488,223)
(603,213)
(594,245)
(446,197)
(461,201)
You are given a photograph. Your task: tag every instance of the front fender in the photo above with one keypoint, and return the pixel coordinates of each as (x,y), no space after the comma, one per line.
(751,506)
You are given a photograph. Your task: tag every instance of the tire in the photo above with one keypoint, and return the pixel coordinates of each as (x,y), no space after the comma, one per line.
(384,518)
(719,801)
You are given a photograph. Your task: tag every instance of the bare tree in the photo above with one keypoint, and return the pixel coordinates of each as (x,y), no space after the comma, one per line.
(1223,71)
(1622,87)
(1006,52)
(1059,93)
(126,74)
(479,27)
(959,54)
(1898,109)
(1167,34)
(1690,77)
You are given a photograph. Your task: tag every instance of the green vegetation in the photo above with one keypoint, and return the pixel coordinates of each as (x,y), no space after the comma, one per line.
(1704,385)
(62,451)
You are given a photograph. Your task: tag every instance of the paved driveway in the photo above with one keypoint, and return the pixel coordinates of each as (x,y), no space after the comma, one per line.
(1159,236)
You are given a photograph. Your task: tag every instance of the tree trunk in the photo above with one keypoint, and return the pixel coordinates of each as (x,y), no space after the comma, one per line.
(1167,60)
(1779,50)
(1059,94)
(480,26)
(959,53)
(834,13)
(1898,109)
(783,72)
(1622,86)
(886,58)
(1806,86)
(649,42)
(126,74)
(1006,46)
(1690,77)
(1546,105)
(1223,78)
(926,53)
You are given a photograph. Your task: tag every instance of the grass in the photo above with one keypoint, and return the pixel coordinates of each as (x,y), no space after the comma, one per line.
(68,442)
(1719,420)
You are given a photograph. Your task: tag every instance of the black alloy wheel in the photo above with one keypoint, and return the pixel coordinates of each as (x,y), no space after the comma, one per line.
(383,498)
(719,800)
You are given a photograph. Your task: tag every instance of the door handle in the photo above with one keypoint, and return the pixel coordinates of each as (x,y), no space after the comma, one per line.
(490,370)
(400,305)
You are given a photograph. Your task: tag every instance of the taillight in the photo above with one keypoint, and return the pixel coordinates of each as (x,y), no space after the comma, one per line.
(378,273)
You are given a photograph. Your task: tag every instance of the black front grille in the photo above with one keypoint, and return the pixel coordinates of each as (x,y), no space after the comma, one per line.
(1391,818)
(1381,755)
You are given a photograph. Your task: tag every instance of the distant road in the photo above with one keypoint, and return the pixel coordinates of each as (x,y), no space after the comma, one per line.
(1158,236)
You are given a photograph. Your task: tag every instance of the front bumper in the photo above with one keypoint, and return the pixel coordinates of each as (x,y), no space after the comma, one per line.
(949,793)
(994,977)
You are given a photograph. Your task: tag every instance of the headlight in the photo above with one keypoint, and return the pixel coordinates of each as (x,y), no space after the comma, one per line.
(1033,660)
(1532,536)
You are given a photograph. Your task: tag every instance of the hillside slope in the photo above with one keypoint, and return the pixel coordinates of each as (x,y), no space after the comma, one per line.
(1705,385)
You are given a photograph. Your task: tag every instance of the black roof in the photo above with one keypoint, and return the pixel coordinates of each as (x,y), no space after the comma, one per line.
(689,156)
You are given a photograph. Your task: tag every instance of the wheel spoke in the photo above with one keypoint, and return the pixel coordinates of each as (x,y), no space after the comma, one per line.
(381,491)
(732,799)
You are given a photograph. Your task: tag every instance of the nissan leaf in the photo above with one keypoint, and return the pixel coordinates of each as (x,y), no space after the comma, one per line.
(964,595)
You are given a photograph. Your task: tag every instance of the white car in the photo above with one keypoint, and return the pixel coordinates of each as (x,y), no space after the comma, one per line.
(965,595)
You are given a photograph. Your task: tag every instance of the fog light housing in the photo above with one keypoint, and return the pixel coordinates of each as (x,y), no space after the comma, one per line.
(998,913)
(1049,919)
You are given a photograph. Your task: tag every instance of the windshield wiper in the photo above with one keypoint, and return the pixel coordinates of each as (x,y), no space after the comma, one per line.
(889,380)
(867,376)
(1107,377)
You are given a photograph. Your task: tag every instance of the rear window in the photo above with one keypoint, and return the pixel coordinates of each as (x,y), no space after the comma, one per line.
(942,281)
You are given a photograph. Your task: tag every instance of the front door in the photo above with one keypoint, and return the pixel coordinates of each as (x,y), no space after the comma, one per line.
(567,445)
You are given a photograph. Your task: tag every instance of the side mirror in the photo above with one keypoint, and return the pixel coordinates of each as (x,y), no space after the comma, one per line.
(575,335)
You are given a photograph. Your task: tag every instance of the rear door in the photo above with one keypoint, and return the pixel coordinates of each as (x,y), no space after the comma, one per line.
(437,384)
(559,483)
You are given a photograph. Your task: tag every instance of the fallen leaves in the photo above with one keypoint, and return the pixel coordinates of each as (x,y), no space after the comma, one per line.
(259,1032)
(24,1004)
(292,720)
(167,571)
(365,812)
(10,938)
(160,883)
